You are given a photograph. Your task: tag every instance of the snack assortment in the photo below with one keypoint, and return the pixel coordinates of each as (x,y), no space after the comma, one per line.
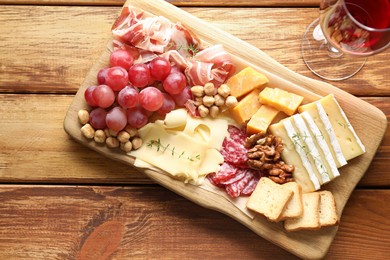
(182,108)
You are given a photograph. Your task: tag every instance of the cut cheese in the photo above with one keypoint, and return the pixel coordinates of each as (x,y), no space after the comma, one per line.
(245,81)
(350,144)
(261,120)
(246,107)
(210,131)
(280,99)
(291,156)
(322,146)
(302,153)
(311,149)
(323,124)
(183,153)
(176,119)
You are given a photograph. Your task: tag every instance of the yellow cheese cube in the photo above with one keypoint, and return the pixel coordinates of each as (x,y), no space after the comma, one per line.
(261,120)
(246,107)
(245,81)
(281,100)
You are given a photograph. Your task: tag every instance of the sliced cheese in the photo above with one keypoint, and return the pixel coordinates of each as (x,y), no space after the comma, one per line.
(176,119)
(350,144)
(261,120)
(291,156)
(210,131)
(299,147)
(311,149)
(322,146)
(183,153)
(323,124)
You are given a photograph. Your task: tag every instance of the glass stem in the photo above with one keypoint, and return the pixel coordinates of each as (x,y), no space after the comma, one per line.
(332,51)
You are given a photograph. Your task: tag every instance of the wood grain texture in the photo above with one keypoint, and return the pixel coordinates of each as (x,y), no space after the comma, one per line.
(65,55)
(62,222)
(35,147)
(174,2)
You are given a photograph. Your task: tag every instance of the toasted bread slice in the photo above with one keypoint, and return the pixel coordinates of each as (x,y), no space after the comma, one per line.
(294,207)
(310,218)
(269,199)
(328,211)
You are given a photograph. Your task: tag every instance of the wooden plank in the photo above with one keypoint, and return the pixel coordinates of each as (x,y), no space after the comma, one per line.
(64,56)
(175,2)
(38,150)
(154,223)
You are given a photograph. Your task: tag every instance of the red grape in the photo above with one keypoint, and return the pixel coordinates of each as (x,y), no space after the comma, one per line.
(182,97)
(97,118)
(174,83)
(128,97)
(88,95)
(159,68)
(175,69)
(139,75)
(121,58)
(103,96)
(136,117)
(116,119)
(101,76)
(151,98)
(167,106)
(117,78)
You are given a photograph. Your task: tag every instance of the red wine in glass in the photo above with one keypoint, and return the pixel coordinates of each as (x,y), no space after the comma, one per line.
(336,46)
(357,27)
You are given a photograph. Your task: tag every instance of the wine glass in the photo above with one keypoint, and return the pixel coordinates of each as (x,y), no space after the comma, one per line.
(336,46)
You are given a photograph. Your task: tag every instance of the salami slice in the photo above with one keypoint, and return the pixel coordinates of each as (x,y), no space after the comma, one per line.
(236,134)
(250,187)
(234,152)
(240,173)
(234,189)
(225,173)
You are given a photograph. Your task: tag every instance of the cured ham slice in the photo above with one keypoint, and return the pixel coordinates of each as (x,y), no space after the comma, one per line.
(213,64)
(153,33)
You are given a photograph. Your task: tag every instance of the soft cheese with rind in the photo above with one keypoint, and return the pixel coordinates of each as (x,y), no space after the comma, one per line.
(302,153)
(291,156)
(351,145)
(311,149)
(321,120)
(322,146)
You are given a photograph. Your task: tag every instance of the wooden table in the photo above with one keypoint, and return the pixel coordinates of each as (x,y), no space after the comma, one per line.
(60,200)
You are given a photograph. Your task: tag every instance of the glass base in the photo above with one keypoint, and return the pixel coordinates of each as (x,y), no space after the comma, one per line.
(324,60)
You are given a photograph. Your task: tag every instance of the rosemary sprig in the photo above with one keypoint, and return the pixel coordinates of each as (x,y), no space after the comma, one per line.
(191,49)
(159,146)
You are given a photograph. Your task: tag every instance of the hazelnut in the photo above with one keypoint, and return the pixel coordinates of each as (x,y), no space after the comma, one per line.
(83,116)
(208,101)
(107,132)
(209,89)
(126,147)
(198,101)
(137,143)
(123,136)
(219,100)
(100,136)
(112,132)
(88,131)
(231,101)
(224,90)
(203,111)
(214,111)
(112,142)
(197,91)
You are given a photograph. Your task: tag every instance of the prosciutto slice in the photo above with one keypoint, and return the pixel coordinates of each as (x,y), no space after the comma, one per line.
(213,64)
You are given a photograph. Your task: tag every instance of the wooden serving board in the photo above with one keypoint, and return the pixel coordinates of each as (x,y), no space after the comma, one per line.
(369,122)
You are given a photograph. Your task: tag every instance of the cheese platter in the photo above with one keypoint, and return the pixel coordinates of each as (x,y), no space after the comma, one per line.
(358,122)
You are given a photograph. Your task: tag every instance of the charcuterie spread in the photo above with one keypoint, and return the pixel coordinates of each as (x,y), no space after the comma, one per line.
(185,110)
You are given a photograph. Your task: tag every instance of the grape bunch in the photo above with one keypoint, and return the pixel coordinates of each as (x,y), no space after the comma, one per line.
(129,94)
